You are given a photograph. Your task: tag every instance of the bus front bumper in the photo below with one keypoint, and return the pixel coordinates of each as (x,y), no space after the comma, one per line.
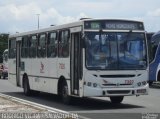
(107,92)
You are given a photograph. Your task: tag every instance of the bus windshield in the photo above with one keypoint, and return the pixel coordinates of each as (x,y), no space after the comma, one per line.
(115,51)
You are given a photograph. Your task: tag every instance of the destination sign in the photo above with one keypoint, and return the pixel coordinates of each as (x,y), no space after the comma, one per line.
(95,25)
(123,26)
(114,25)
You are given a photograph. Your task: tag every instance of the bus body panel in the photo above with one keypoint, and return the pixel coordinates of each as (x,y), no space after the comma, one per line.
(101,82)
(63,67)
(11,70)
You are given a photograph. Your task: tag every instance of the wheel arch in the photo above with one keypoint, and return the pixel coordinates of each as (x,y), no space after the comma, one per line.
(158,76)
(61,80)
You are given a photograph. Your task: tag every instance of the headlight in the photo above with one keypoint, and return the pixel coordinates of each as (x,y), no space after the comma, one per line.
(139,83)
(89,84)
(94,85)
(142,83)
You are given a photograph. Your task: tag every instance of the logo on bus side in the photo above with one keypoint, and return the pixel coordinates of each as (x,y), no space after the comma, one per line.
(42,68)
(61,66)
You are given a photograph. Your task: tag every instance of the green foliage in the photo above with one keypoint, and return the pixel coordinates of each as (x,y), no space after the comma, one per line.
(3,44)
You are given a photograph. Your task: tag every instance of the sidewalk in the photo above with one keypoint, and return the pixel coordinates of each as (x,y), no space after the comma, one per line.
(7,105)
(14,108)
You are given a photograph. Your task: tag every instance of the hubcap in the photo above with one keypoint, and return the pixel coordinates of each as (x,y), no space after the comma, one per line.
(65,91)
(25,87)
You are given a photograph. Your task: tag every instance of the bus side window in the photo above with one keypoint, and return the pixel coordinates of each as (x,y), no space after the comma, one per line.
(24,52)
(63,49)
(41,50)
(12,48)
(33,46)
(52,45)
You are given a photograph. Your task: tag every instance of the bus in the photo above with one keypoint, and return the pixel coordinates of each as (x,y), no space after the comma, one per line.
(87,58)
(4,66)
(154,68)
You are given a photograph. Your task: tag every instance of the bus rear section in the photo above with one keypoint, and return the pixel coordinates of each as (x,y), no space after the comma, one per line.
(154,68)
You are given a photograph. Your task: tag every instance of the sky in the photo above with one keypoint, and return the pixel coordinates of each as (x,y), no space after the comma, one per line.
(21,15)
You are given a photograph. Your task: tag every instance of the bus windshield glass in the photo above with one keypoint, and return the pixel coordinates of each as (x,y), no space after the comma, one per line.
(5,56)
(115,51)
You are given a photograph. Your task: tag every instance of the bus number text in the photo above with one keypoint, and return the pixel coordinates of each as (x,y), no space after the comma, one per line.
(129,81)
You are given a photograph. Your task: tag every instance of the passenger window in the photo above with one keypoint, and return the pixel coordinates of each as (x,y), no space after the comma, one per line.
(12,48)
(42,45)
(33,46)
(63,49)
(24,52)
(52,45)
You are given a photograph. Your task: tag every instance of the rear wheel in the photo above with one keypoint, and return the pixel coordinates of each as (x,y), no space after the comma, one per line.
(4,76)
(150,83)
(116,99)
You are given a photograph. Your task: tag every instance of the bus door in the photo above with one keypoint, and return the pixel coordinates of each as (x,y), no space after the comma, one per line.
(76,60)
(18,60)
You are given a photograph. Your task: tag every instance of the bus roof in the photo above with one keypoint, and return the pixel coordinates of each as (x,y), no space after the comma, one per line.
(155,34)
(47,29)
(6,50)
(63,26)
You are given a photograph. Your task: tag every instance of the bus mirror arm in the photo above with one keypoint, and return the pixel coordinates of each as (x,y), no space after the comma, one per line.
(83,41)
(101,31)
(152,42)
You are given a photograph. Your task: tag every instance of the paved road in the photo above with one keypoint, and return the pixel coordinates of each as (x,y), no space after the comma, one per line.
(131,108)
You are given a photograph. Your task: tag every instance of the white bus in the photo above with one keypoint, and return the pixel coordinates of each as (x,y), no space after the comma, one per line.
(4,66)
(88,58)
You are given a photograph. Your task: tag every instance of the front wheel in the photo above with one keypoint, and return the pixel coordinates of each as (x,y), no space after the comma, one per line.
(26,87)
(116,99)
(64,94)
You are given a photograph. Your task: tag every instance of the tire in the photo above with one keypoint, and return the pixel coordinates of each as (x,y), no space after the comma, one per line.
(116,99)
(66,99)
(4,77)
(26,87)
(150,83)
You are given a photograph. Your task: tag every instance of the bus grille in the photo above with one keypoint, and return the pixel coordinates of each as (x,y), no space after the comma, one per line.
(116,84)
(117,76)
(118,92)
